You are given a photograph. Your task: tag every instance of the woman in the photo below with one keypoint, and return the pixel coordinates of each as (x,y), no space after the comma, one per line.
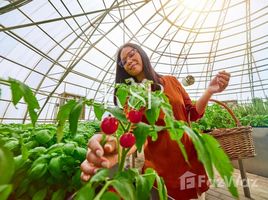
(164,154)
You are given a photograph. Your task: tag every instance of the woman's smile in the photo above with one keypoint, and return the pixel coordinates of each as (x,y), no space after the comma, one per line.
(133,66)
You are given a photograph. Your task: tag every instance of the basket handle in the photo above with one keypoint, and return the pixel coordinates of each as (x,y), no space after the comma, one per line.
(226,107)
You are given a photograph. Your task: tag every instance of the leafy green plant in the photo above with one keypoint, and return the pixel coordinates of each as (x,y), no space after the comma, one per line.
(253,114)
(7,170)
(255,120)
(215,117)
(43,166)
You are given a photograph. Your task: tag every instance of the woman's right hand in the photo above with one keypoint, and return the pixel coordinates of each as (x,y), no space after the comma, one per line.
(99,156)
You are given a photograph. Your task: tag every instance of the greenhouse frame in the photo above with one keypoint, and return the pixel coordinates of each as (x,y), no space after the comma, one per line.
(58,66)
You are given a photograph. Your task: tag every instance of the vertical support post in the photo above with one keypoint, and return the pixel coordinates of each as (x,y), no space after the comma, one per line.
(249,54)
(244,179)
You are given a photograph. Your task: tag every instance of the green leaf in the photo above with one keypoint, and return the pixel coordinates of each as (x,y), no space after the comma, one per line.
(87,192)
(172,130)
(202,151)
(19,162)
(101,175)
(43,159)
(176,134)
(80,153)
(12,145)
(16,91)
(162,190)
(36,152)
(152,114)
(154,135)
(74,116)
(58,195)
(110,196)
(121,94)
(183,151)
(166,107)
(5,191)
(158,128)
(7,165)
(24,150)
(31,144)
(65,110)
(150,175)
(31,101)
(62,116)
(80,139)
(98,110)
(55,148)
(143,188)
(40,195)
(68,161)
(221,162)
(43,136)
(129,174)
(76,178)
(141,132)
(69,148)
(125,188)
(118,113)
(55,167)
(137,95)
(37,171)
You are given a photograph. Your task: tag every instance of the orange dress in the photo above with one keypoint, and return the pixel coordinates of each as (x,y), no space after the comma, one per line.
(183,181)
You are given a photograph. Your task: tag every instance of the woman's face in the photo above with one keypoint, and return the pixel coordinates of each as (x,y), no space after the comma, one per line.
(131,61)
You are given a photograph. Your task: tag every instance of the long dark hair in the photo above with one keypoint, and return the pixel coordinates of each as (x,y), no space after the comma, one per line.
(121,74)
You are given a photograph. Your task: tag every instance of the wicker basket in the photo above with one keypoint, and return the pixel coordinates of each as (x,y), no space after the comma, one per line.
(237,142)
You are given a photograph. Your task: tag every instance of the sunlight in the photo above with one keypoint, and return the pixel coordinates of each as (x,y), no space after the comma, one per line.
(193,4)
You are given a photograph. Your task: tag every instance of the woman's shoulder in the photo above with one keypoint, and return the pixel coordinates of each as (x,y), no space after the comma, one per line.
(169,81)
(170,78)
(167,76)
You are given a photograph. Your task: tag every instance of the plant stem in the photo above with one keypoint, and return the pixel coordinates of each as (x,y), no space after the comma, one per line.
(137,103)
(118,149)
(103,189)
(128,127)
(122,126)
(123,159)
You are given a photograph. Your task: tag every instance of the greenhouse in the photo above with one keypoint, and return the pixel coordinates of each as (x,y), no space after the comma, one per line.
(133,99)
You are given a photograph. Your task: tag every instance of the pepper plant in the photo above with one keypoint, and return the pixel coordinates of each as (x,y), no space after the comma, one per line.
(126,124)
(135,102)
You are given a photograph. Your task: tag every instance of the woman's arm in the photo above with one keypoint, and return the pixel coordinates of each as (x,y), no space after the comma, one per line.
(217,85)
(202,102)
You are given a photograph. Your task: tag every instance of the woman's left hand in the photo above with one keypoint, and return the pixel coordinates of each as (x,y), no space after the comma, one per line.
(219,83)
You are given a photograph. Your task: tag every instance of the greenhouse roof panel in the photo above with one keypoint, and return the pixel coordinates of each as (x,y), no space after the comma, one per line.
(71,46)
